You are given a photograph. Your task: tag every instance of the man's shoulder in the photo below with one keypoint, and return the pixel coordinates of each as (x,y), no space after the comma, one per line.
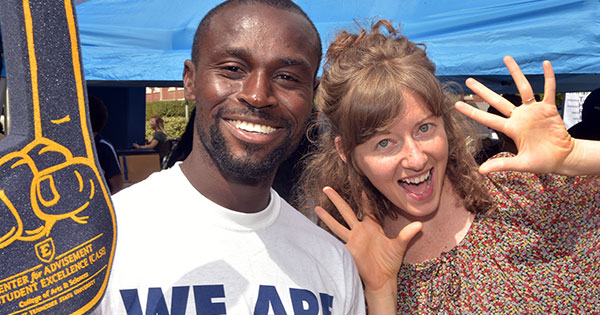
(308,231)
(104,148)
(153,187)
(103,145)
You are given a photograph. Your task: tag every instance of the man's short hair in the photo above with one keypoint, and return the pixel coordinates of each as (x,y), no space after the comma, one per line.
(287,5)
(98,113)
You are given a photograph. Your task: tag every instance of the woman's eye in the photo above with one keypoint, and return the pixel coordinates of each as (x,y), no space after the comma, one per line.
(383,143)
(424,128)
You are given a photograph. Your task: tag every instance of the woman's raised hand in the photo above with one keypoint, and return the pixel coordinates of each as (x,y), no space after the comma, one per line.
(377,257)
(542,140)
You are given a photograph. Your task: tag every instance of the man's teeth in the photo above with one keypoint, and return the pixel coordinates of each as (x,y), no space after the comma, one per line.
(248,126)
(417,180)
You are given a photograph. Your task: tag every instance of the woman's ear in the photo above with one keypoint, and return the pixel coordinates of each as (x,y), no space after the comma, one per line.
(339,148)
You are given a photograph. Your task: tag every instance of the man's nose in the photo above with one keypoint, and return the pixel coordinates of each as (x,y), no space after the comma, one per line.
(258,91)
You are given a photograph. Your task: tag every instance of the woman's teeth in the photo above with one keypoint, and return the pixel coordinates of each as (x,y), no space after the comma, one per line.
(250,127)
(417,180)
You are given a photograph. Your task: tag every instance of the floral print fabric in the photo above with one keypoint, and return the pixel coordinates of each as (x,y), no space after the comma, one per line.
(538,252)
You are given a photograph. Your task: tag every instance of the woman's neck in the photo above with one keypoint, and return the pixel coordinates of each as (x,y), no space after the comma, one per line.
(442,230)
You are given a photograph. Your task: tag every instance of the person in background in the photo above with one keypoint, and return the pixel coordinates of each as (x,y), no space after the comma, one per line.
(159,141)
(589,126)
(209,235)
(107,156)
(184,146)
(518,234)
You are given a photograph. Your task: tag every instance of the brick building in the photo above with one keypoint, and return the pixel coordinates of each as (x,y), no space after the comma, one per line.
(164,94)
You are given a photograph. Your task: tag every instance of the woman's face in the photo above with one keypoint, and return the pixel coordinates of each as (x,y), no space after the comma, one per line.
(407,162)
(153,123)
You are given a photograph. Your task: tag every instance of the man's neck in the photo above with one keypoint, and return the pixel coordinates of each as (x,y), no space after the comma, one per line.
(205,177)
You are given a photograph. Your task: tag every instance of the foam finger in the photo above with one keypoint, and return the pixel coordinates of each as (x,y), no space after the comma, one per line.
(342,206)
(335,227)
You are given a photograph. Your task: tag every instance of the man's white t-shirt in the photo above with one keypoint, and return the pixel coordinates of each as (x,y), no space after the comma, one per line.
(180,253)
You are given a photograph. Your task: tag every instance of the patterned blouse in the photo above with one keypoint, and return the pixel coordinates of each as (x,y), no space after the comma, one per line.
(538,252)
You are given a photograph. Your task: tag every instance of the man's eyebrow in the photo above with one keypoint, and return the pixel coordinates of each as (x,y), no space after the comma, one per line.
(295,62)
(243,53)
(237,52)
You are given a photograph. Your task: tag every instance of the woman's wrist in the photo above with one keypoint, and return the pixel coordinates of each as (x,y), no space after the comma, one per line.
(383,300)
(583,159)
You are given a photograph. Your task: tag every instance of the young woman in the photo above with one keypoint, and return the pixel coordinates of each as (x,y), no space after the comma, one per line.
(429,230)
(158,137)
(158,142)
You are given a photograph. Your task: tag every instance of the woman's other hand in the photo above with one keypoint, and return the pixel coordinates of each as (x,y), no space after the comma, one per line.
(377,257)
(542,140)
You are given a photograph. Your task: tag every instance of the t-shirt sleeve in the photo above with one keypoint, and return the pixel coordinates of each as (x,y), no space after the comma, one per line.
(159,136)
(108,160)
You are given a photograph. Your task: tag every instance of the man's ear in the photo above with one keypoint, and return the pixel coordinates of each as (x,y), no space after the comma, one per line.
(339,148)
(189,81)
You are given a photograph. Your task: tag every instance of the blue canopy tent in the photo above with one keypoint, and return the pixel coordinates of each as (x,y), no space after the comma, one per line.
(130,44)
(146,41)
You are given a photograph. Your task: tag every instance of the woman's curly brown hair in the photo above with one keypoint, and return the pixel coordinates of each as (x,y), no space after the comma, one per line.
(361,94)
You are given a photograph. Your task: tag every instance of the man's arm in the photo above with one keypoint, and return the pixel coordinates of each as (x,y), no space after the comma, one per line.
(116,183)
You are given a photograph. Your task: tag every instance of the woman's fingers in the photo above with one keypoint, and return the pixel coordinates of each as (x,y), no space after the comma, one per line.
(338,229)
(408,232)
(501,164)
(491,97)
(342,206)
(520,81)
(549,83)
(493,121)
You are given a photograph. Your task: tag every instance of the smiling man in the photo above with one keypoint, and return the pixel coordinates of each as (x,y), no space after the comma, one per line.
(214,238)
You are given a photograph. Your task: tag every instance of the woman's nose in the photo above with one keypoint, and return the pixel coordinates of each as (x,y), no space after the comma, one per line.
(414,157)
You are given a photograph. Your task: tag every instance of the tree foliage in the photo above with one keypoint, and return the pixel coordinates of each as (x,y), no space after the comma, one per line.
(172,112)
(164,109)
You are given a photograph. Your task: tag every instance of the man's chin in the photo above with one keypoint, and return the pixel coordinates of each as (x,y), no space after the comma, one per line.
(247,172)
(245,163)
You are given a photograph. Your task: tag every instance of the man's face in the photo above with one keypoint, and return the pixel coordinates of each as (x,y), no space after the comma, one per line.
(253,85)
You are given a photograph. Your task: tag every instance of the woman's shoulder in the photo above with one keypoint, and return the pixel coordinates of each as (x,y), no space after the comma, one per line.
(160,136)
(535,186)
(523,183)
(545,201)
